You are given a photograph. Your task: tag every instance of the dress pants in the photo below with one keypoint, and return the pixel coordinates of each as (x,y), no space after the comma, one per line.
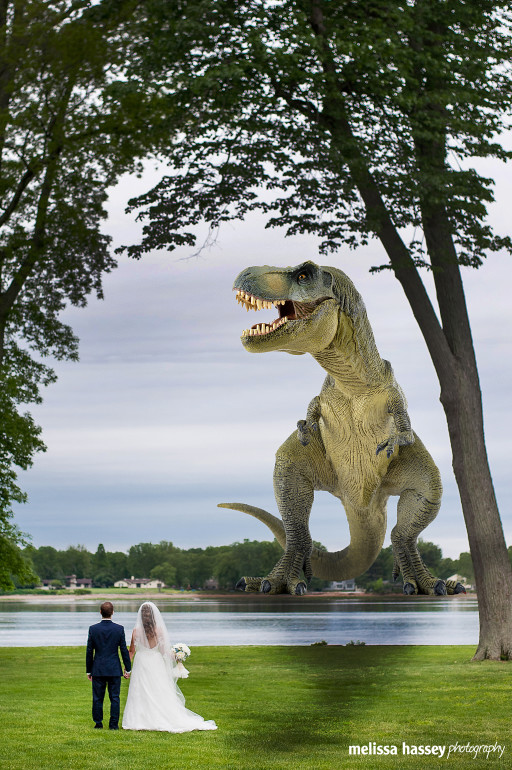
(99,685)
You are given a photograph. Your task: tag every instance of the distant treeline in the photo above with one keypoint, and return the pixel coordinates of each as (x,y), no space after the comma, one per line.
(193,567)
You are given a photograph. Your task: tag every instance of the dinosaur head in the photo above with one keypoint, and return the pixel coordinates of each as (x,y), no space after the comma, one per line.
(308,299)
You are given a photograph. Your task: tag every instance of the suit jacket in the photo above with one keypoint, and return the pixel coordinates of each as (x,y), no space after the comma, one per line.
(106,638)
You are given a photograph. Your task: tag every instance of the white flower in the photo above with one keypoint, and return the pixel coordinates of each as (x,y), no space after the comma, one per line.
(181,651)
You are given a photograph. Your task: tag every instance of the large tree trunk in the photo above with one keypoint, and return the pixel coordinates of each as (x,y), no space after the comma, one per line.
(462,401)
(462,404)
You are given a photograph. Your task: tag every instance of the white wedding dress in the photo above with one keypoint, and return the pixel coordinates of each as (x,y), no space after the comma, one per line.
(155,702)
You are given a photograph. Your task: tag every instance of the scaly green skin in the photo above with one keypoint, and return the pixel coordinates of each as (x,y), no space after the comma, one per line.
(356,441)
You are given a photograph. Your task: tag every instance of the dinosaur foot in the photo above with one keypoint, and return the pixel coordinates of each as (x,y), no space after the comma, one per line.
(269,586)
(452,587)
(250,585)
(295,587)
(289,576)
(433,587)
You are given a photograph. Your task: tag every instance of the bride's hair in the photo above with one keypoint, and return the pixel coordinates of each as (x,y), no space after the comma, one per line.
(148,620)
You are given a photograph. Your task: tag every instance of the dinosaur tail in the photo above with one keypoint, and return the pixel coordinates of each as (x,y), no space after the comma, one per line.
(272,522)
(325,564)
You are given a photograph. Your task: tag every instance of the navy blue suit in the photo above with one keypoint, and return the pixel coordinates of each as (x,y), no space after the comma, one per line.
(102,662)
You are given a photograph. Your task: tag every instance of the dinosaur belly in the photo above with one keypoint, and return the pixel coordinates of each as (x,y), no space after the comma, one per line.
(350,430)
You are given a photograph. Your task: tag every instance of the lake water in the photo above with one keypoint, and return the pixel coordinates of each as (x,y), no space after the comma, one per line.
(256,621)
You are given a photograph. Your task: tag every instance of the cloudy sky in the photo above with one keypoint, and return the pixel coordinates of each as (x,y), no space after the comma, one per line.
(166,415)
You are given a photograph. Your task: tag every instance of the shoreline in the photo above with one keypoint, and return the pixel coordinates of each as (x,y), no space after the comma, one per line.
(198,596)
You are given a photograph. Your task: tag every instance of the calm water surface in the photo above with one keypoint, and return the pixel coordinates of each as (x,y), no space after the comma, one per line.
(248,621)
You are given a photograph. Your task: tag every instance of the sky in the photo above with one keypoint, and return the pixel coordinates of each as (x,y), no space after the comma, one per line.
(166,415)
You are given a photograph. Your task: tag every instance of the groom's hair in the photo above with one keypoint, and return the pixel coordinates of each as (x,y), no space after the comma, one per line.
(106,609)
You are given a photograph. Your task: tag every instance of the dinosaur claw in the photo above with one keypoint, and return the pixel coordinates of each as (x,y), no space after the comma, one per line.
(440,588)
(300,589)
(459,589)
(409,589)
(265,587)
(241,585)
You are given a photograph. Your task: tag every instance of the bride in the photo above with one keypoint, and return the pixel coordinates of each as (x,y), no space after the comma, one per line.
(155,702)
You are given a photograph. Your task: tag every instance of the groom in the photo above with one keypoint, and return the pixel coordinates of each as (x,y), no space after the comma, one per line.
(103,666)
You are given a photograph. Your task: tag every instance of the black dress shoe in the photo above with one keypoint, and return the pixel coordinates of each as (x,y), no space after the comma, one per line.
(98,726)
(113,728)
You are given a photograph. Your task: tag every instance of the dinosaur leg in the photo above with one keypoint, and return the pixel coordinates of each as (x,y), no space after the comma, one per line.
(294,495)
(415,512)
(416,479)
(297,474)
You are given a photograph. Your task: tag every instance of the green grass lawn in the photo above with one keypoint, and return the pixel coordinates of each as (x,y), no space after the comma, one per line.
(276,707)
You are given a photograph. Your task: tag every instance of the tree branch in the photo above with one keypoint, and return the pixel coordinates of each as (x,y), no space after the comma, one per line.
(9,297)
(24,181)
(335,119)
(431,161)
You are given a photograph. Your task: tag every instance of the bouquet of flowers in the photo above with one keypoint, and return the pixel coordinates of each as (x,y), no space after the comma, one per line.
(181,653)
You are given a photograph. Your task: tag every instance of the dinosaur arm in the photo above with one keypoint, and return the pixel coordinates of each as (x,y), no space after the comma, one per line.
(310,423)
(403,434)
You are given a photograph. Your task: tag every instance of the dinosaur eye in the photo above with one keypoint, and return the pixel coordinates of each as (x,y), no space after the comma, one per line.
(302,277)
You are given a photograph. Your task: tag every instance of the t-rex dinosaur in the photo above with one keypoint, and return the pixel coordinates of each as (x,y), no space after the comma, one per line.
(356,441)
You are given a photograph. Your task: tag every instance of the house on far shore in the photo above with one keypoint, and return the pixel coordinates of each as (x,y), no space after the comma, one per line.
(139,583)
(69,581)
(72,581)
(342,585)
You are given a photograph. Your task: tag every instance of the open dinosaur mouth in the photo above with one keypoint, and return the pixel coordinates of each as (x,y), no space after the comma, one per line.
(289,310)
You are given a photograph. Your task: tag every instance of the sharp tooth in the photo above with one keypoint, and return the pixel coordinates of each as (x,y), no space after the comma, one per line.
(259,304)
